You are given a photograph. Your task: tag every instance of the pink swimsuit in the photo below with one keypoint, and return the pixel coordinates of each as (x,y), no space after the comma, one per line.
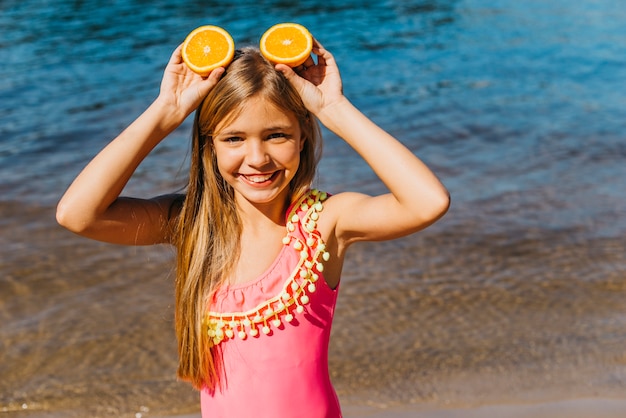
(273,332)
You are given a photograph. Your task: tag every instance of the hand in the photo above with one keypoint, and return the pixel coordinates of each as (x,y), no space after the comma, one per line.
(182,88)
(319,85)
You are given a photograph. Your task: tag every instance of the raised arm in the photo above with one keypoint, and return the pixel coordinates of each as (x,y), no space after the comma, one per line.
(416,199)
(92,205)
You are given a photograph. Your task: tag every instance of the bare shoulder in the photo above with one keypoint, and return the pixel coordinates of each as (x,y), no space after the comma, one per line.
(340,202)
(334,209)
(170,204)
(337,207)
(360,217)
(168,207)
(134,221)
(164,207)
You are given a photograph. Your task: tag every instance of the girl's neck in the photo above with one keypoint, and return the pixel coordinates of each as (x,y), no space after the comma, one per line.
(256,215)
(263,227)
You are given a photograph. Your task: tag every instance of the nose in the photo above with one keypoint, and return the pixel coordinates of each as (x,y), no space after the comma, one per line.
(256,155)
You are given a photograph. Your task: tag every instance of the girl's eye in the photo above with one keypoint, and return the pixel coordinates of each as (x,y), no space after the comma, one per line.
(233,139)
(277,135)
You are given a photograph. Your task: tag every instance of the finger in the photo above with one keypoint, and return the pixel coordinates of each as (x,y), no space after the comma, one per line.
(216,74)
(290,74)
(177,56)
(309,62)
(317,47)
(324,57)
(320,51)
(286,70)
(205,85)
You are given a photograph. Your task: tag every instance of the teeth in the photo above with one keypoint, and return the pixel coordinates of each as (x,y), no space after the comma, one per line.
(259,179)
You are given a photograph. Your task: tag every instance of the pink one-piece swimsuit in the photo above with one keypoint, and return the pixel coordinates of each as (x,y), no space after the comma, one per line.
(272,333)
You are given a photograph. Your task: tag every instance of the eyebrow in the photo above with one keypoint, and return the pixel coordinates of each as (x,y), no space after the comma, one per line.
(228,133)
(279,128)
(270,129)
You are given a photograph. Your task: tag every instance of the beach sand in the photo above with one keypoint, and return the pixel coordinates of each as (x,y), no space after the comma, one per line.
(578,408)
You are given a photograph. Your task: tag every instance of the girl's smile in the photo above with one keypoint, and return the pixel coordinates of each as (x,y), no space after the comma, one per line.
(258,153)
(258,179)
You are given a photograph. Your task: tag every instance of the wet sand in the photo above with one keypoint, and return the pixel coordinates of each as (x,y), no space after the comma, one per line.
(439,335)
(580,408)
(577,408)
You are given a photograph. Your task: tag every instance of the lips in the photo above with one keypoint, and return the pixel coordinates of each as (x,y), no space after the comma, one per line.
(258,178)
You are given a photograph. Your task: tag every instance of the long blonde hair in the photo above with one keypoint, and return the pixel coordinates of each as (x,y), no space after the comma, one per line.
(209,227)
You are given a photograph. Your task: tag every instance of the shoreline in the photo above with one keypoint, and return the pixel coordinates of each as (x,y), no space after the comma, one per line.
(568,408)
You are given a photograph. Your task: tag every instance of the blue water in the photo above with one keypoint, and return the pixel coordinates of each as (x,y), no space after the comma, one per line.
(519,107)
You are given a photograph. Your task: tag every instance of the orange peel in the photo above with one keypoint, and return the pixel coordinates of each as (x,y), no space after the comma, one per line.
(287,43)
(207,48)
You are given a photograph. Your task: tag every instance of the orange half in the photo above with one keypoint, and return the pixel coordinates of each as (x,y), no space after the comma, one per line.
(287,43)
(207,48)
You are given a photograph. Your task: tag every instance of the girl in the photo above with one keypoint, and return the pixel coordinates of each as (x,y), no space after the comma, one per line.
(259,254)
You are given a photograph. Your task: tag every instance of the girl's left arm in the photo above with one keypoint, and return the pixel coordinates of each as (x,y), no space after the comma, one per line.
(416,199)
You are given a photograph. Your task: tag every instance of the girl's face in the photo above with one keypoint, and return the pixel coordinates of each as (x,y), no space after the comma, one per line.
(258,153)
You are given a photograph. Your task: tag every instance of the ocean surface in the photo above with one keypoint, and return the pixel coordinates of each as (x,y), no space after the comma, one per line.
(518,293)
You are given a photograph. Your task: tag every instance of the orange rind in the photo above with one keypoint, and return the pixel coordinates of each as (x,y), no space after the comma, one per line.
(287,43)
(207,48)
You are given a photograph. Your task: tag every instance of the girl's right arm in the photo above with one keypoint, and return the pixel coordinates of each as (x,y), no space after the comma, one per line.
(92,206)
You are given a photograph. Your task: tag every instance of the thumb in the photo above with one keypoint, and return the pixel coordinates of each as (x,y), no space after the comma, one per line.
(206,84)
(291,76)
(307,91)
(193,95)
(210,82)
